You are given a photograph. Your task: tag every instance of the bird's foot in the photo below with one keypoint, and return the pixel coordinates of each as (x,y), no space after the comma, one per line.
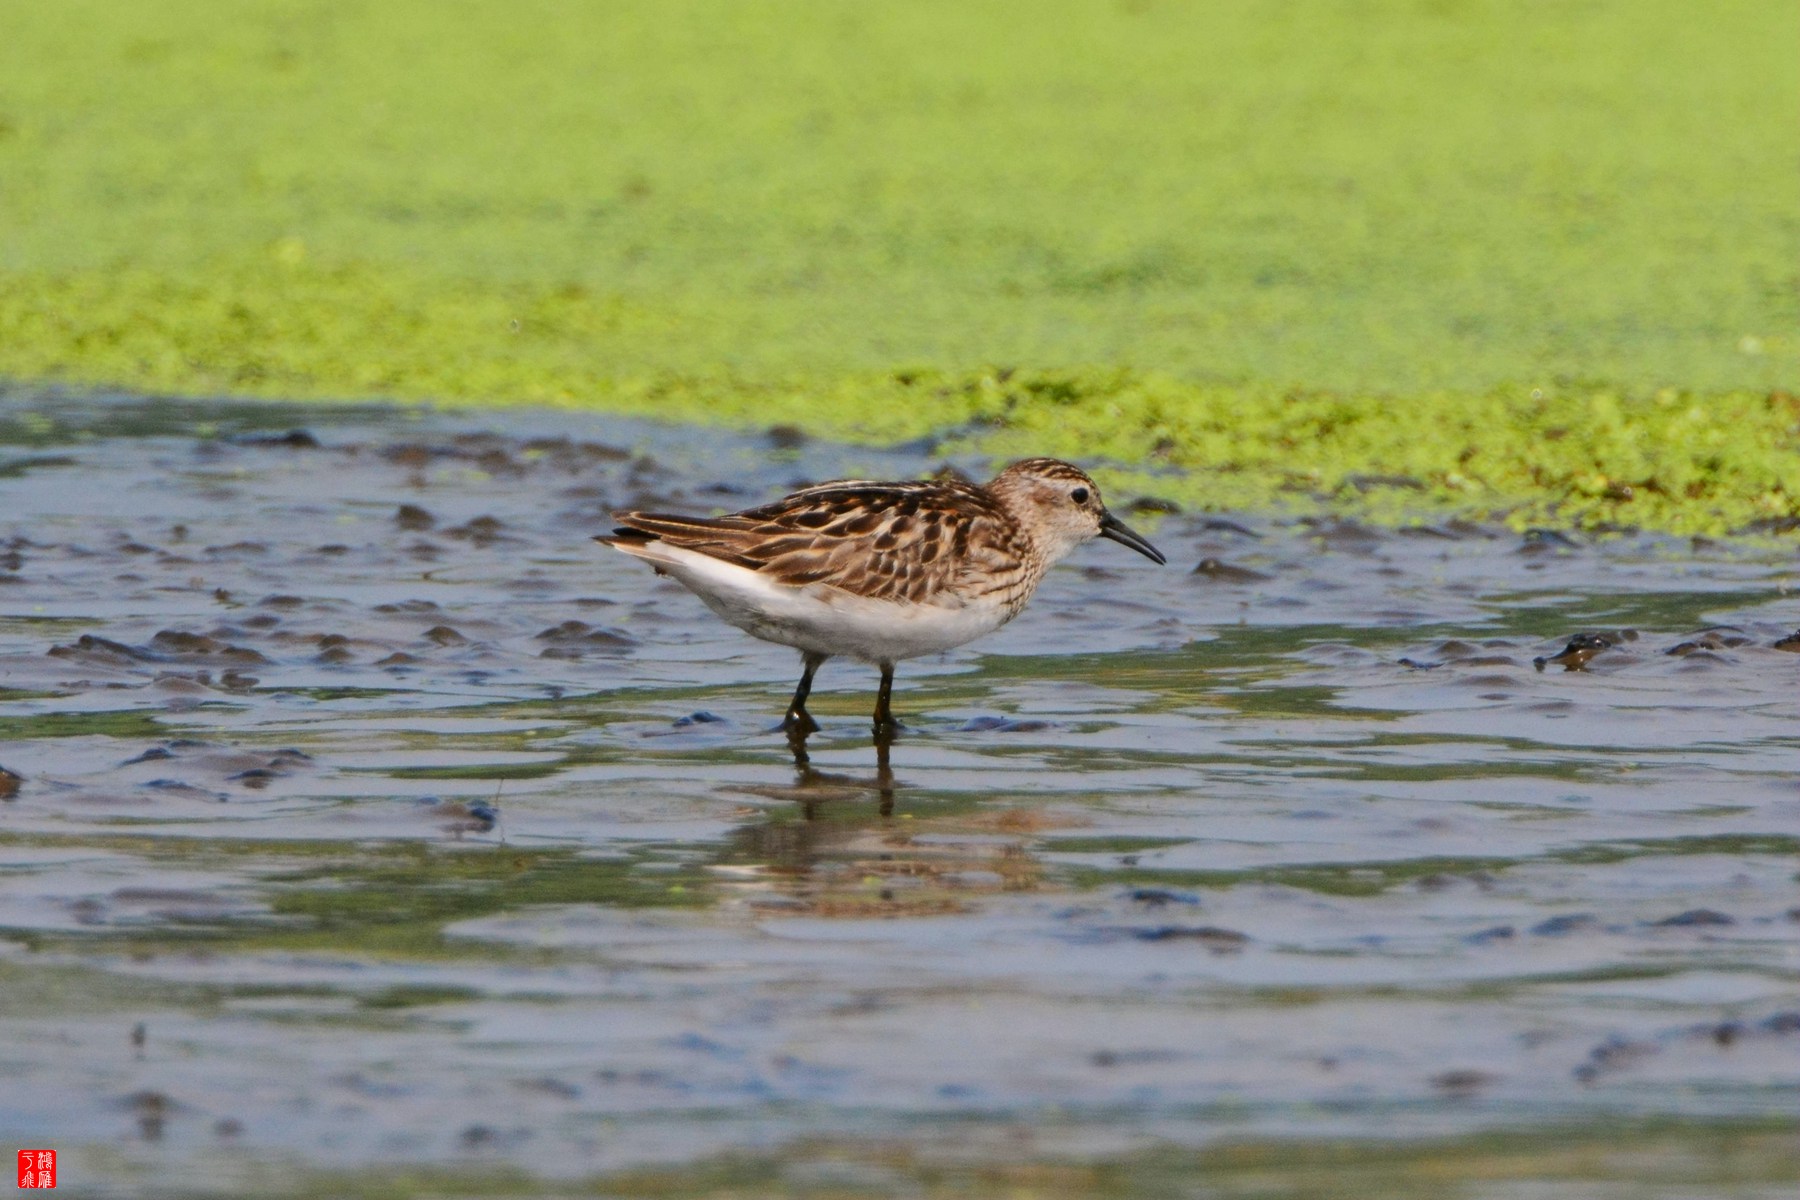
(798,721)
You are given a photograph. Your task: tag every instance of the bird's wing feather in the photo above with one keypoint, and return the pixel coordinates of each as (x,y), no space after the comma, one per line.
(908,542)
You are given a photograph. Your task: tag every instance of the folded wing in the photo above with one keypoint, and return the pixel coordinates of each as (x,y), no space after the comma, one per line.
(905,542)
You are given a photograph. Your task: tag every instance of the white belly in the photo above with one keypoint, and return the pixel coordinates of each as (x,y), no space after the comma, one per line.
(822,619)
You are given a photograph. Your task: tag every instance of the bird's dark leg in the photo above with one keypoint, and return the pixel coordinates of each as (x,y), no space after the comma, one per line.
(885,725)
(798,720)
(884,776)
(796,739)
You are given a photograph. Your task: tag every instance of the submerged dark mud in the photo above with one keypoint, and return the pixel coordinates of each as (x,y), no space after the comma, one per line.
(357,809)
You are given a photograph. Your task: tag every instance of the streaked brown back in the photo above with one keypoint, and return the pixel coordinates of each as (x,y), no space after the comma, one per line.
(889,541)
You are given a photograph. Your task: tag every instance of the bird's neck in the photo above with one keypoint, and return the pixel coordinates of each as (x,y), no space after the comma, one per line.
(1035,552)
(1022,502)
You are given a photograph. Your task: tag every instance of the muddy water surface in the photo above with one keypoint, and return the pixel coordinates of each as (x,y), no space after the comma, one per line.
(359,812)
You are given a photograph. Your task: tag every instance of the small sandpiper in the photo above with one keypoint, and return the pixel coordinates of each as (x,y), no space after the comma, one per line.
(879,571)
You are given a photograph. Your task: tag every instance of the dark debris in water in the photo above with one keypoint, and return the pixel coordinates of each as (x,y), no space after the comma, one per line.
(1696,918)
(1540,540)
(1496,933)
(577,639)
(1713,640)
(1612,1055)
(153,754)
(1002,725)
(1463,1083)
(1211,937)
(1220,571)
(293,439)
(1584,647)
(458,817)
(167,646)
(1153,897)
(1153,505)
(481,531)
(1222,525)
(1619,1054)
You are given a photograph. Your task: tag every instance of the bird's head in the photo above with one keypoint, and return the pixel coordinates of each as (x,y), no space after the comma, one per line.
(1062,508)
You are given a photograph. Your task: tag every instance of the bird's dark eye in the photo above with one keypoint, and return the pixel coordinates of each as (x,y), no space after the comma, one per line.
(1079,495)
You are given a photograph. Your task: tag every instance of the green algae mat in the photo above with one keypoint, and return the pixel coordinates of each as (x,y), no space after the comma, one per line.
(1515,258)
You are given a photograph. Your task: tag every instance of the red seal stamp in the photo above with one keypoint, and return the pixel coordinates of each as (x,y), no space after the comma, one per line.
(37,1168)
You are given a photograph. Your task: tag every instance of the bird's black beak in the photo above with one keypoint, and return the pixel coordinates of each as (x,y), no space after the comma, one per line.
(1116,530)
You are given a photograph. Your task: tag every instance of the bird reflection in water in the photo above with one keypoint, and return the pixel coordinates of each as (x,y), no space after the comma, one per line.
(806,775)
(824,850)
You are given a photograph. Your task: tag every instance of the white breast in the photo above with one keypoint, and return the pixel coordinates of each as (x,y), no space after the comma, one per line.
(821,619)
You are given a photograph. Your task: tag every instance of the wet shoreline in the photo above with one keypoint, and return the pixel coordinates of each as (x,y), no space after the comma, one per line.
(412,828)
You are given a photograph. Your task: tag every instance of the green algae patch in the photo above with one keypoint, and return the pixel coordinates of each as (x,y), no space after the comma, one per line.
(1396,258)
(1577,456)
(1586,456)
(1580,1159)
(392,899)
(1745,1156)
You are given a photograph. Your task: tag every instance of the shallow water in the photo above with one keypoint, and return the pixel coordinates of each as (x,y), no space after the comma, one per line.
(367,814)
